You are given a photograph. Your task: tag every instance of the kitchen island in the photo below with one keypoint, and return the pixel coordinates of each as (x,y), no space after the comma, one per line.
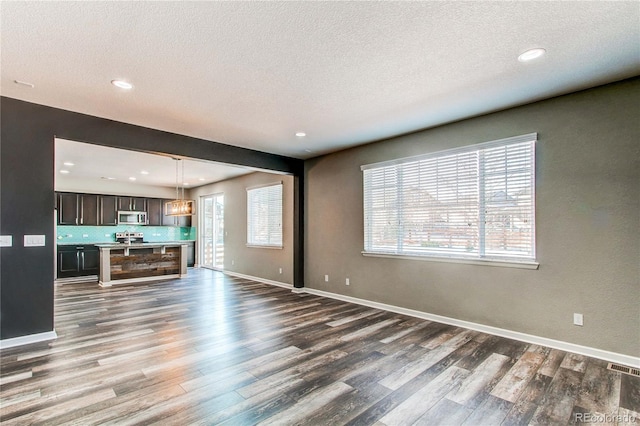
(122,263)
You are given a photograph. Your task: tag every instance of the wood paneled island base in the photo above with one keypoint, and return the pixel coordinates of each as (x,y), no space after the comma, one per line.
(123,264)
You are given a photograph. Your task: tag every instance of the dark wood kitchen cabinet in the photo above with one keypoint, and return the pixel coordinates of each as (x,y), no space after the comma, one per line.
(67,206)
(155,211)
(184,221)
(78,260)
(133,204)
(108,210)
(102,210)
(77,209)
(88,209)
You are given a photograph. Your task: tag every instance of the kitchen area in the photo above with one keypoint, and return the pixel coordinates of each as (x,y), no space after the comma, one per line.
(120,239)
(124,216)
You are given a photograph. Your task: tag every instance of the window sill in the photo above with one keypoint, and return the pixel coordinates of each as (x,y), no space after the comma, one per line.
(265,247)
(520,264)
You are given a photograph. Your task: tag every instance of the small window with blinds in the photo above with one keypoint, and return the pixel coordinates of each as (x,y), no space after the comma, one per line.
(264,216)
(476,202)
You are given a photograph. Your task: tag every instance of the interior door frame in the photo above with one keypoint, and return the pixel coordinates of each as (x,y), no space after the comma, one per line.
(201,240)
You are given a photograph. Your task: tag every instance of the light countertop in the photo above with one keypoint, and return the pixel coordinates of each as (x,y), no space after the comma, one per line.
(141,245)
(105,244)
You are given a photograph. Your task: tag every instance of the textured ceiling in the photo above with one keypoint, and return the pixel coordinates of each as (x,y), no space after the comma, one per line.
(252,74)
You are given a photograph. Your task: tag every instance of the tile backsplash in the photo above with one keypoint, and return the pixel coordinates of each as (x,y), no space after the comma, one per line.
(107,234)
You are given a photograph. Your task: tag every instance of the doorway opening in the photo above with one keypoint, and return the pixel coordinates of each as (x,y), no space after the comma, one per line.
(212,241)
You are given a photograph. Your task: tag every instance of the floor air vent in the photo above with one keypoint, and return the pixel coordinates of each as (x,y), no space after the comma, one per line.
(623,369)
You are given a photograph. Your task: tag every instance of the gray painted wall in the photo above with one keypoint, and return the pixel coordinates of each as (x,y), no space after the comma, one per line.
(588,225)
(257,262)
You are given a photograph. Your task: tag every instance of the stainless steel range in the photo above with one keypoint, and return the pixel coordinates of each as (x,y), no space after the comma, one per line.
(128,237)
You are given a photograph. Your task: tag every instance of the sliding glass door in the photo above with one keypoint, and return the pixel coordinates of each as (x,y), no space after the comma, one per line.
(212,237)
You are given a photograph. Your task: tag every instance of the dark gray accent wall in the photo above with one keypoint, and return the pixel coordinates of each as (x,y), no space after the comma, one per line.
(27,206)
(588,225)
(27,195)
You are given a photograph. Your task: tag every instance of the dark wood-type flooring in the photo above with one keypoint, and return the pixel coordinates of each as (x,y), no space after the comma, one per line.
(211,349)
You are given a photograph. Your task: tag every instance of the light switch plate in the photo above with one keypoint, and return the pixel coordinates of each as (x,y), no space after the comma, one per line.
(6,240)
(34,240)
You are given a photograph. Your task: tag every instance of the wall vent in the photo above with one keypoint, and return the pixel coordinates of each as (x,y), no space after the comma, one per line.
(624,369)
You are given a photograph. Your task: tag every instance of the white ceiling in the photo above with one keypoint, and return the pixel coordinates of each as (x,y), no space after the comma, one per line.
(251,74)
(98,163)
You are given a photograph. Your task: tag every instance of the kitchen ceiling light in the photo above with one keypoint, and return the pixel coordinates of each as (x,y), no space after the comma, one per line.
(201,179)
(64,171)
(144,172)
(122,84)
(68,163)
(179,206)
(107,178)
(301,134)
(531,54)
(132,178)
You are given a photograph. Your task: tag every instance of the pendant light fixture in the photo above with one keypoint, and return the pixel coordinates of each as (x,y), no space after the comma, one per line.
(179,206)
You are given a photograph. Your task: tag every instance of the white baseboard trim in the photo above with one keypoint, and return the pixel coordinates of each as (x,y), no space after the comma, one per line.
(261,280)
(26,340)
(75,280)
(509,334)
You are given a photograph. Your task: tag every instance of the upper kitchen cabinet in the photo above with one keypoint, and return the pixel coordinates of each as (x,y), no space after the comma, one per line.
(155,211)
(77,209)
(184,221)
(67,205)
(108,210)
(134,204)
(88,206)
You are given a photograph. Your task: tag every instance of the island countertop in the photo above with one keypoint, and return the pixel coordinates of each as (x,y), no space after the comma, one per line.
(141,245)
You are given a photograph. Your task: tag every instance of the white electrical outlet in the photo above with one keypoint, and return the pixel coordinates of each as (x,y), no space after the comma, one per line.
(280,270)
(347,281)
(326,278)
(578,319)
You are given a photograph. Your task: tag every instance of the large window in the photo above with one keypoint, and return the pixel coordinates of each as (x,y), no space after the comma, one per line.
(476,202)
(264,216)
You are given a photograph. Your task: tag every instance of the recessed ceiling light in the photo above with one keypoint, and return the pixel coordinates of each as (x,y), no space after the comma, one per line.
(132,178)
(186,183)
(201,179)
(144,172)
(531,54)
(68,163)
(64,171)
(107,178)
(301,134)
(307,150)
(122,84)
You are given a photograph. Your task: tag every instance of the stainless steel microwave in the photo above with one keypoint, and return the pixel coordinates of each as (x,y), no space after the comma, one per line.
(132,218)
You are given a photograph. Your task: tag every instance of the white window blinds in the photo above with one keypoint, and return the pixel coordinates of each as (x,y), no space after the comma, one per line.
(476,202)
(264,216)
